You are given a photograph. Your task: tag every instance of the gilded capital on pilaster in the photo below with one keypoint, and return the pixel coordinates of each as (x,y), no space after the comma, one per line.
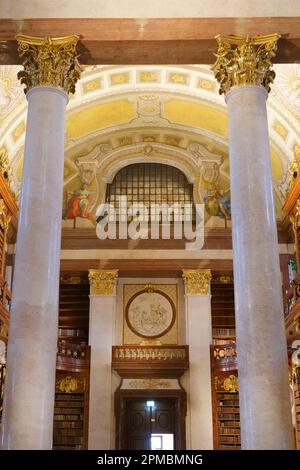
(49,62)
(197,281)
(103,281)
(5,169)
(245,61)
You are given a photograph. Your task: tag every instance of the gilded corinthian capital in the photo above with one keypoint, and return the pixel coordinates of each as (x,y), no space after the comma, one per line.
(197,281)
(103,281)
(49,62)
(245,61)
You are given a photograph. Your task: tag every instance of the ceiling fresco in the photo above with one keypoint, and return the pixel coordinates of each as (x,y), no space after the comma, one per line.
(166,114)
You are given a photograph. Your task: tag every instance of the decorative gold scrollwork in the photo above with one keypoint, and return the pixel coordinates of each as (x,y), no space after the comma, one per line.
(231,384)
(245,61)
(49,62)
(70,384)
(197,281)
(5,169)
(103,281)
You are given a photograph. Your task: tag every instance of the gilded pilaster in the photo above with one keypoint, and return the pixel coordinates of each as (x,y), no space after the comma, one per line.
(245,61)
(197,281)
(51,62)
(103,281)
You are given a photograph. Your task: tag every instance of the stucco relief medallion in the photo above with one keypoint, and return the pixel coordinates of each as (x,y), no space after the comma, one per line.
(150,314)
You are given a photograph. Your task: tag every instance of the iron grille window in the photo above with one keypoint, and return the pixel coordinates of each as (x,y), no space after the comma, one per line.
(148,184)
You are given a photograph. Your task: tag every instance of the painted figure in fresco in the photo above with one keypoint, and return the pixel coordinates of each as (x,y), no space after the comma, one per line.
(218,204)
(217,201)
(78,204)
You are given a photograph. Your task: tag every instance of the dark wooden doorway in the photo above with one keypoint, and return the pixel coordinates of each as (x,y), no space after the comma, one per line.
(136,421)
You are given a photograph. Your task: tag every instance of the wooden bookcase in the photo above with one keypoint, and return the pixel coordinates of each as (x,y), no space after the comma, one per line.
(295,383)
(225,397)
(297,423)
(292,296)
(74,305)
(291,208)
(227,427)
(70,422)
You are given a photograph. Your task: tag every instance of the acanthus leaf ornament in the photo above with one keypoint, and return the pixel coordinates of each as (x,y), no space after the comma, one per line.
(103,281)
(245,61)
(197,281)
(49,62)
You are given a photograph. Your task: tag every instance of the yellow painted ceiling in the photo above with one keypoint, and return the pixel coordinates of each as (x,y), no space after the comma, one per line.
(100,116)
(197,115)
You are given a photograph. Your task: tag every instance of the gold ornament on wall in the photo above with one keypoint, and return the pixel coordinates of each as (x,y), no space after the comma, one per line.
(149,288)
(197,281)
(5,217)
(5,169)
(224,279)
(231,384)
(49,62)
(70,384)
(245,61)
(103,281)
(70,280)
(149,383)
(294,169)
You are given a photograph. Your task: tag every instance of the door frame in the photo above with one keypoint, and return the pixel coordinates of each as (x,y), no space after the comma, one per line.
(179,397)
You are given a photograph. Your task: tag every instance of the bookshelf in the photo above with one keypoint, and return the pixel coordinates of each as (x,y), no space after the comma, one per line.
(225,397)
(228,421)
(291,273)
(72,334)
(74,309)
(297,421)
(68,428)
(295,383)
(70,412)
(70,421)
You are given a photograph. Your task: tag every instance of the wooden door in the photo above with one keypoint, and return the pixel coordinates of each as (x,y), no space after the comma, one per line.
(137,425)
(141,421)
(162,417)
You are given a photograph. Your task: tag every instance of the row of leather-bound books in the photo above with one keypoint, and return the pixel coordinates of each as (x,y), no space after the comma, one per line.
(68,421)
(228,420)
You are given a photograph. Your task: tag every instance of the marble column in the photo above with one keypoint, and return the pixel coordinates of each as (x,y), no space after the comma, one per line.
(101,334)
(199,338)
(243,68)
(49,74)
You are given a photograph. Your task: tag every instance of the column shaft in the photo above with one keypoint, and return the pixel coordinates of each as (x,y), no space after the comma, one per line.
(31,361)
(261,343)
